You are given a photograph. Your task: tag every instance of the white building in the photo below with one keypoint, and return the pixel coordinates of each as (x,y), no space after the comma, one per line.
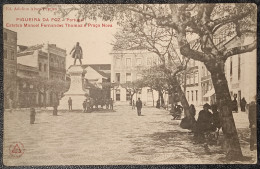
(193,83)
(241,73)
(126,67)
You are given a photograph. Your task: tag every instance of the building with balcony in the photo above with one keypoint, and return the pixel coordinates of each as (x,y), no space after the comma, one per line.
(27,89)
(50,62)
(193,83)
(127,67)
(10,66)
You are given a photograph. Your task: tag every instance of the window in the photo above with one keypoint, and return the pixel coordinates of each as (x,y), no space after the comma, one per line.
(5,53)
(5,36)
(12,55)
(117,77)
(191,95)
(196,77)
(188,93)
(40,66)
(187,79)
(149,61)
(117,94)
(128,77)
(191,78)
(239,68)
(128,62)
(196,95)
(45,67)
(51,59)
(139,61)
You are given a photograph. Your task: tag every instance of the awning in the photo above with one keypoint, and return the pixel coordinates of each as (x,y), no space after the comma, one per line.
(209,93)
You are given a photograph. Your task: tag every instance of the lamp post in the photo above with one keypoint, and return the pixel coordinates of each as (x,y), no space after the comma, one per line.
(113,84)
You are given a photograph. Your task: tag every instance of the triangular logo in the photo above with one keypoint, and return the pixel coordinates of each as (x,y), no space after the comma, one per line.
(16,149)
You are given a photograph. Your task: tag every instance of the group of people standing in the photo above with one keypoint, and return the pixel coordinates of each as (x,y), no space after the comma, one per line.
(91,104)
(242,104)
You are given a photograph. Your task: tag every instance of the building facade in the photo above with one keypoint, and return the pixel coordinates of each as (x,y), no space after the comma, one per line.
(57,62)
(193,83)
(27,90)
(50,62)
(127,67)
(241,73)
(10,67)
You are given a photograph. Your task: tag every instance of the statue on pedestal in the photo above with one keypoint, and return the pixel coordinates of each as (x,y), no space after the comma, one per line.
(77,53)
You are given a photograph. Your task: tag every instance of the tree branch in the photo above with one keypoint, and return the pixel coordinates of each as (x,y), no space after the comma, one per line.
(225,20)
(239,50)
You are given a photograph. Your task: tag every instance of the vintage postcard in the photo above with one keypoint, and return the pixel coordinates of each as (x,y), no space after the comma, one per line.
(129,84)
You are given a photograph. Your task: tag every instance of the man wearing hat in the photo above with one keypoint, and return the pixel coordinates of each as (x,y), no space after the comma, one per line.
(204,122)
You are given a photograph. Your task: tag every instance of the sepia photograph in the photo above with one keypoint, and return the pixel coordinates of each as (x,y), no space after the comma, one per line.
(129,84)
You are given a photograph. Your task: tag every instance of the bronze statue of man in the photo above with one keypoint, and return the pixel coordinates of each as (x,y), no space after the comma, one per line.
(77,53)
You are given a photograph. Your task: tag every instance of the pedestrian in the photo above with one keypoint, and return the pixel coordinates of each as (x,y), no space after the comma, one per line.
(111,104)
(55,109)
(139,105)
(158,104)
(107,103)
(177,110)
(84,104)
(88,104)
(203,124)
(70,103)
(133,104)
(234,104)
(96,104)
(189,122)
(216,122)
(32,115)
(252,124)
(243,104)
(91,103)
(11,105)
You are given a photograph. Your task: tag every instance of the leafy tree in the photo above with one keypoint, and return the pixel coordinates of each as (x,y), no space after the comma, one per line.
(206,23)
(132,88)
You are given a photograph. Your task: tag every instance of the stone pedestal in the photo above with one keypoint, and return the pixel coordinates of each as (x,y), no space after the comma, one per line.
(76,91)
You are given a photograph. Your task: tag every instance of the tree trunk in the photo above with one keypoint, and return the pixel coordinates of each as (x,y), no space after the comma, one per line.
(131,101)
(223,98)
(161,98)
(152,97)
(182,98)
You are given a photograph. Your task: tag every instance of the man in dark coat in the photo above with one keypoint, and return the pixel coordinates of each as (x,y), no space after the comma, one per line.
(243,104)
(77,53)
(70,103)
(252,124)
(204,123)
(139,105)
(234,103)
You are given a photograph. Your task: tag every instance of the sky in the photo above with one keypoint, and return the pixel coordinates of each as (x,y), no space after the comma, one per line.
(95,41)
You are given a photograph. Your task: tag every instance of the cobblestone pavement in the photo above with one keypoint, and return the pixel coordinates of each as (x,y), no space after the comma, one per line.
(102,138)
